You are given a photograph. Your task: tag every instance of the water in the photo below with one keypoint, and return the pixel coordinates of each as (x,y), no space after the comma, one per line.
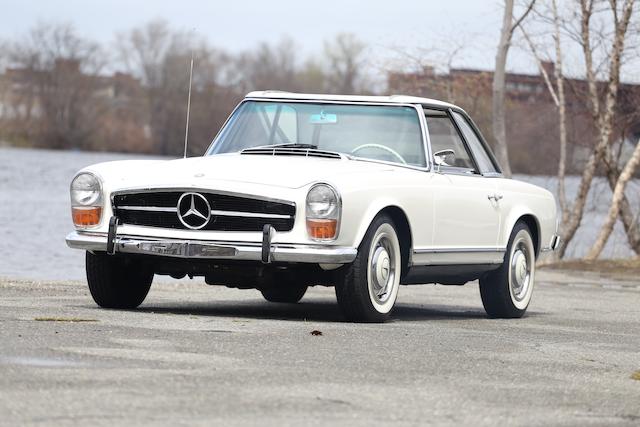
(35,215)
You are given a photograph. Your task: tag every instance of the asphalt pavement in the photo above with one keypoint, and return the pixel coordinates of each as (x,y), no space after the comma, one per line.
(193,354)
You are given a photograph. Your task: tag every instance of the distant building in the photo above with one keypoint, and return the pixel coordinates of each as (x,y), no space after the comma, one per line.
(532,122)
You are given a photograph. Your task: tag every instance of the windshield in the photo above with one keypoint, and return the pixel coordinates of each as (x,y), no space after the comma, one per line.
(387,133)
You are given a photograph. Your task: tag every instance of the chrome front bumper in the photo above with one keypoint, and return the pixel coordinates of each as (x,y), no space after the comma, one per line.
(202,249)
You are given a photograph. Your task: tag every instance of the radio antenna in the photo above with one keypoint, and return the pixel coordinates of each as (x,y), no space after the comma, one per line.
(186,131)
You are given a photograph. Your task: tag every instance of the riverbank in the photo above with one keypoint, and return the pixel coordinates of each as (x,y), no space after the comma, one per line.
(612,268)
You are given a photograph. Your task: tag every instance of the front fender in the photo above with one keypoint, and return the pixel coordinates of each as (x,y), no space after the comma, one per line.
(372,210)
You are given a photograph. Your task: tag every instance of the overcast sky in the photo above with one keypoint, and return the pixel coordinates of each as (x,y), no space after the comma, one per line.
(240,24)
(385,25)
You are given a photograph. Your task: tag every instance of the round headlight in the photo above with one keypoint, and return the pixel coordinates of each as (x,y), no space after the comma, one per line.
(322,202)
(86,190)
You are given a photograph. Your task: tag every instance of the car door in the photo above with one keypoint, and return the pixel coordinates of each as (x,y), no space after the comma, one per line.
(466,205)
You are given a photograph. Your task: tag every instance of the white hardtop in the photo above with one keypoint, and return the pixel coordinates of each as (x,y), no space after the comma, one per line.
(392,99)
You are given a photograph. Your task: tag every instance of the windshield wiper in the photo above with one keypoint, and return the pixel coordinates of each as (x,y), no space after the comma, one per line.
(290,145)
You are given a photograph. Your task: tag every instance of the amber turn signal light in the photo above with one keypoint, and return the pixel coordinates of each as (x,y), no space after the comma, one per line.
(86,216)
(322,228)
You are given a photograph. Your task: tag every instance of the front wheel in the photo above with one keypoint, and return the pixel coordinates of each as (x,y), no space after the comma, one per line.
(116,282)
(506,292)
(367,288)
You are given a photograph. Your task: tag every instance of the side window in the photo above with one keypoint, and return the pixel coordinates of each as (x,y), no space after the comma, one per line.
(479,152)
(444,136)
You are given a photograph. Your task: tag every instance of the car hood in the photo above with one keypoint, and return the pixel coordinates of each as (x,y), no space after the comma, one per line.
(279,171)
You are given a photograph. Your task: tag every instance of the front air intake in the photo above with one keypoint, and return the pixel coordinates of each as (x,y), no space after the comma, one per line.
(281,151)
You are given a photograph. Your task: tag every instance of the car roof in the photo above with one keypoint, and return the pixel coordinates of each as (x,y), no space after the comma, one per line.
(393,99)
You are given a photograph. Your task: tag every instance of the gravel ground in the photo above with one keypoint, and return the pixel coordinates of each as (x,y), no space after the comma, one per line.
(199,355)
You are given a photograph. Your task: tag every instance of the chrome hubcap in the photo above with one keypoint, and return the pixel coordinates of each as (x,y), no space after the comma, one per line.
(521,264)
(382,268)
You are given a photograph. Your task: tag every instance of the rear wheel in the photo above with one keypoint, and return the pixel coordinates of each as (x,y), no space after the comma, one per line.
(506,292)
(116,282)
(368,287)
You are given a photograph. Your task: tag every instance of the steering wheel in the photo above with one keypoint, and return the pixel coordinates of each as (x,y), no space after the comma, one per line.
(391,151)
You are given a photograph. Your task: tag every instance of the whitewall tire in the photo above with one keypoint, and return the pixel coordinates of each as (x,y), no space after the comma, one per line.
(506,292)
(368,287)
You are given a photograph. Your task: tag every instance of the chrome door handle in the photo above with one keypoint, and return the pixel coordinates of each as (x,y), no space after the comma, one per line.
(494,196)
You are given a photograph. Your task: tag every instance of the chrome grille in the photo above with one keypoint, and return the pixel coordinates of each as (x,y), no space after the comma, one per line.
(228,212)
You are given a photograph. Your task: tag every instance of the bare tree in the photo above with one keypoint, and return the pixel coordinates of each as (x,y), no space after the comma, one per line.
(345,58)
(499,83)
(269,66)
(602,112)
(616,204)
(57,72)
(160,58)
(312,77)
(4,55)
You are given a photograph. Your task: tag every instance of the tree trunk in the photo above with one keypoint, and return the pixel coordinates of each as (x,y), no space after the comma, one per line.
(499,125)
(629,220)
(562,109)
(603,117)
(618,194)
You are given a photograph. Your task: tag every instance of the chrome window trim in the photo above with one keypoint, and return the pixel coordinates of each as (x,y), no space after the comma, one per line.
(416,107)
(448,111)
(466,142)
(449,170)
(492,175)
(453,170)
(482,140)
(426,139)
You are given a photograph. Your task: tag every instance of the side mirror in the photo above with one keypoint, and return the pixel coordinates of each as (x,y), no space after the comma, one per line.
(444,158)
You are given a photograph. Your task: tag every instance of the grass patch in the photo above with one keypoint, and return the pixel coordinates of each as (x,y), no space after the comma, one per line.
(636,376)
(63,319)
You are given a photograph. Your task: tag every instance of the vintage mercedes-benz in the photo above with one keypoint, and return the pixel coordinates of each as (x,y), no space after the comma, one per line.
(363,193)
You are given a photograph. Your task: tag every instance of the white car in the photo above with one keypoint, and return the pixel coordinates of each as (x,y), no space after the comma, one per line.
(363,193)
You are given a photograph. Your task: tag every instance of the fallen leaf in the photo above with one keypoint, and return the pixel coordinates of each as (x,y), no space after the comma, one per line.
(636,376)
(316,333)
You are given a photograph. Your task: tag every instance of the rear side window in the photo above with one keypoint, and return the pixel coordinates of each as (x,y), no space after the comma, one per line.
(475,145)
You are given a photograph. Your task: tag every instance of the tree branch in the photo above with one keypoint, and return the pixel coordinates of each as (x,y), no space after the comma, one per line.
(524,15)
(542,70)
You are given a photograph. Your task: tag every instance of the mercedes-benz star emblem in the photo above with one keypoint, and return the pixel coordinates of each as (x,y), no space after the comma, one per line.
(194,211)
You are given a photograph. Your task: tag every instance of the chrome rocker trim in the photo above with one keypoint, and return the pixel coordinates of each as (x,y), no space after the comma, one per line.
(203,249)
